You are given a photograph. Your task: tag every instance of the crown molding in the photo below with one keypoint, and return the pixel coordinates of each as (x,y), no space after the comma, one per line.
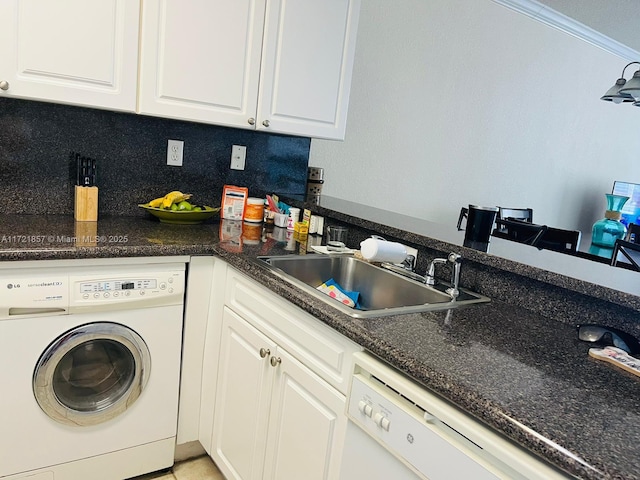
(548,16)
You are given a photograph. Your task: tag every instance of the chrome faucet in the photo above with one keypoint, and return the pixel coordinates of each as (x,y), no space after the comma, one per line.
(407,268)
(456,261)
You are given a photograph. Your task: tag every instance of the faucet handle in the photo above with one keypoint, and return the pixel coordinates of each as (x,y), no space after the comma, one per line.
(454,258)
(409,263)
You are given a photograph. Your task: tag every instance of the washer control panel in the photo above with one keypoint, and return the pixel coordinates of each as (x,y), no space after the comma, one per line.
(117,285)
(124,287)
(148,288)
(28,292)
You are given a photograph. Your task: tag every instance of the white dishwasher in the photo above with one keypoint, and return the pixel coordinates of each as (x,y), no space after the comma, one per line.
(399,430)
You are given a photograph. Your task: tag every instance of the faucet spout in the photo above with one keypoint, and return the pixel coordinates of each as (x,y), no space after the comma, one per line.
(431,271)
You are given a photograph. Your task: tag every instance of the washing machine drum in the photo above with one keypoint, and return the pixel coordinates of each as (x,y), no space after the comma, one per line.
(91,374)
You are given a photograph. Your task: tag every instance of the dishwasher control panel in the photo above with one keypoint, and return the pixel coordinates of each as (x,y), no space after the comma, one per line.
(429,434)
(403,429)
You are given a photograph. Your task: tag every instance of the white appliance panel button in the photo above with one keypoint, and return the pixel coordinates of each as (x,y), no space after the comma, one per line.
(382,421)
(365,408)
(385,423)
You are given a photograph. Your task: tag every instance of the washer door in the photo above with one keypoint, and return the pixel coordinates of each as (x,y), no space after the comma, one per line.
(91,373)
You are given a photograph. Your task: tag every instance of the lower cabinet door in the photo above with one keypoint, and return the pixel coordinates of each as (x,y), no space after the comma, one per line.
(242,399)
(307,424)
(274,418)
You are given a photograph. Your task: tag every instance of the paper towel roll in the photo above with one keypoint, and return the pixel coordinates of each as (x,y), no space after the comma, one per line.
(376,250)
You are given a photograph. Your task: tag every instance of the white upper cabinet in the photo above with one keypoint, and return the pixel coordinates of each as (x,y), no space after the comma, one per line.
(282,66)
(307,59)
(200,60)
(77,51)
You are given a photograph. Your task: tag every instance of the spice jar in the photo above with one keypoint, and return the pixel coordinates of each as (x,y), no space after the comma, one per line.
(254,210)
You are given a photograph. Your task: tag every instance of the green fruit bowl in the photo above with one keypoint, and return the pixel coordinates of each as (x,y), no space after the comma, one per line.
(181,217)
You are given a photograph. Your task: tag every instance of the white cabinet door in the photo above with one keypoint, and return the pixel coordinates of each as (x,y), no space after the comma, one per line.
(307,424)
(276,65)
(307,59)
(242,399)
(273,417)
(74,51)
(200,60)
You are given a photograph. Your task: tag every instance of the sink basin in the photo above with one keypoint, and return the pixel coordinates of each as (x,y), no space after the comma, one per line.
(382,292)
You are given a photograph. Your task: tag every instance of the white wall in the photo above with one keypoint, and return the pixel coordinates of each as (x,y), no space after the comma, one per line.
(456,102)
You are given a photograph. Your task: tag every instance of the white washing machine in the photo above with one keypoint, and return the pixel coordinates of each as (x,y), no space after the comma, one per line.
(89,370)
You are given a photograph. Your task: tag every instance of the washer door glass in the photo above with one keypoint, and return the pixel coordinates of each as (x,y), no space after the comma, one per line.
(91,374)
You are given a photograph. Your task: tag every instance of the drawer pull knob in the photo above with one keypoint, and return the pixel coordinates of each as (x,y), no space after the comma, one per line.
(4,85)
(275,361)
(264,352)
(252,121)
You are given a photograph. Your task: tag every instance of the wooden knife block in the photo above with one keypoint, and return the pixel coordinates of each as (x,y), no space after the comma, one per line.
(86,204)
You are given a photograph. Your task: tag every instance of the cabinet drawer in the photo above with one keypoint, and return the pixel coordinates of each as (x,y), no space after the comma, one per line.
(320,348)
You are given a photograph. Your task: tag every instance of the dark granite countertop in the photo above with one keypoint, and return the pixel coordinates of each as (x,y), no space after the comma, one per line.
(527,376)
(523,374)
(55,237)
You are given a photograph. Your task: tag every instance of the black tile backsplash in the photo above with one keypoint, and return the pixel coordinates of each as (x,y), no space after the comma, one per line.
(36,176)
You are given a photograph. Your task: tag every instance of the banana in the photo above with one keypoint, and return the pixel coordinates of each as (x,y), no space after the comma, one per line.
(169,199)
(174,197)
(156,202)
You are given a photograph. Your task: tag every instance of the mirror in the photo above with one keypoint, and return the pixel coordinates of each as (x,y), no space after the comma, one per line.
(624,280)
(456,103)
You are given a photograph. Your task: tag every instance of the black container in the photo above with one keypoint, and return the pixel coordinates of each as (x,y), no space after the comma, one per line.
(480,221)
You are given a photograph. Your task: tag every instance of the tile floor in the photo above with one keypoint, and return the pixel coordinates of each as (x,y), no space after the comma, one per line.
(199,468)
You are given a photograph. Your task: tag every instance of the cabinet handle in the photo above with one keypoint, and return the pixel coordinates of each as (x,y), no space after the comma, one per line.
(264,352)
(275,361)
(252,121)
(4,85)
(266,123)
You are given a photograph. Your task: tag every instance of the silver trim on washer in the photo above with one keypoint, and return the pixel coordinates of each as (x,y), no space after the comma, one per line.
(43,386)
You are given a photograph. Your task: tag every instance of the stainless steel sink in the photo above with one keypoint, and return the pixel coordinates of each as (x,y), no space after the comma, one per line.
(382,292)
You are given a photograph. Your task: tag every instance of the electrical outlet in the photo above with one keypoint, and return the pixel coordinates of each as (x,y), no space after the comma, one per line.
(238,157)
(175,149)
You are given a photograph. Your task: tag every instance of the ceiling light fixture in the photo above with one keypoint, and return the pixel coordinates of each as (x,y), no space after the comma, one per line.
(623,91)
